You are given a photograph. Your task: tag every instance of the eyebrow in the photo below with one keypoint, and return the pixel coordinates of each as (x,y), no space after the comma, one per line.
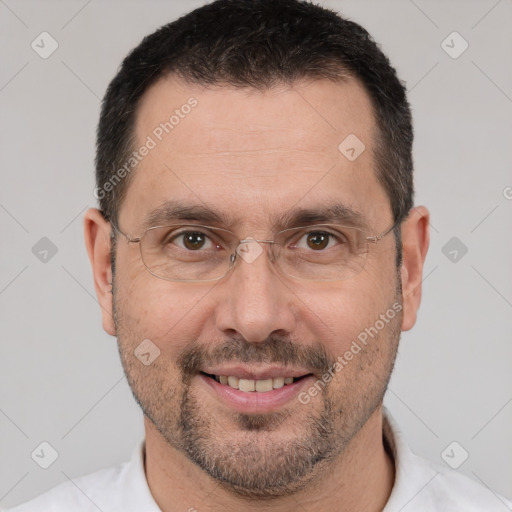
(330,213)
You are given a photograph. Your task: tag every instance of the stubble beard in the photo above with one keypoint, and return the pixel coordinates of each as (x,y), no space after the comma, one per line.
(255,459)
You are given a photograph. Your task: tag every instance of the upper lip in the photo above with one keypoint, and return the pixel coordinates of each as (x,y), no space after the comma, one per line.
(255,373)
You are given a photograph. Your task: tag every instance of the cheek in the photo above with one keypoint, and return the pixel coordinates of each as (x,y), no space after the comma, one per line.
(165,312)
(337,315)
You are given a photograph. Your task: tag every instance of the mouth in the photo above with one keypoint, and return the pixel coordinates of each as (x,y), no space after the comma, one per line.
(255,385)
(254,389)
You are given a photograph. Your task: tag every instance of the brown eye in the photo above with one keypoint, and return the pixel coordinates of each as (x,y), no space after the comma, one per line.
(318,240)
(193,241)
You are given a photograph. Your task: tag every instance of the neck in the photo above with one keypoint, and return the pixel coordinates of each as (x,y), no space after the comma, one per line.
(359,479)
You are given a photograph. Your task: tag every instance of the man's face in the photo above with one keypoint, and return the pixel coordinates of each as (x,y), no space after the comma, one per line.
(254,156)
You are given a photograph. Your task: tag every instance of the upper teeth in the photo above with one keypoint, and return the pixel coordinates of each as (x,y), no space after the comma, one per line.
(254,385)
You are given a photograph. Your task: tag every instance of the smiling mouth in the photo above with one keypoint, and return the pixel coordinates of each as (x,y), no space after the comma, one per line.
(253,385)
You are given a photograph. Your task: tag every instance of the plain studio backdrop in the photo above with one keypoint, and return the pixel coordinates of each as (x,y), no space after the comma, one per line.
(61,379)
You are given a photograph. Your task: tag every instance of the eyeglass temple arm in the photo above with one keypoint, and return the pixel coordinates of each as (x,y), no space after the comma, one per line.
(376,238)
(135,240)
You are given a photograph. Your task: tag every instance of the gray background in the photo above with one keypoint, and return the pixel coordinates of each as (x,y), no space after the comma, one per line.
(61,380)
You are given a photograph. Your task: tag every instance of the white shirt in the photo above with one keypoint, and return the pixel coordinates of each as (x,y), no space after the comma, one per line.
(419,486)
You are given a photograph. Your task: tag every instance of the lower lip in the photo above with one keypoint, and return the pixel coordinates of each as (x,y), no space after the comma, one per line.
(256,402)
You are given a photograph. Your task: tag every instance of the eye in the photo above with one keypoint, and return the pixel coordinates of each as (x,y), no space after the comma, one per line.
(317,240)
(193,241)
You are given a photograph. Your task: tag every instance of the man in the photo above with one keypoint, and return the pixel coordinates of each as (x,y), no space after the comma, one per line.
(257,254)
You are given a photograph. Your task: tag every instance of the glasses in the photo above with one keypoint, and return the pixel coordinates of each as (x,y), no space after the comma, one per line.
(196,253)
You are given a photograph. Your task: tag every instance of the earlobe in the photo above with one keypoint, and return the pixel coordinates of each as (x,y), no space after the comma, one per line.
(415,242)
(97,241)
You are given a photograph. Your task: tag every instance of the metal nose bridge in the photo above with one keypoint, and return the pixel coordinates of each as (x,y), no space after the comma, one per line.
(249,240)
(248,258)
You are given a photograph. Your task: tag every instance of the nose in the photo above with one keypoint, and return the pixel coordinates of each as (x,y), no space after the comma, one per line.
(255,300)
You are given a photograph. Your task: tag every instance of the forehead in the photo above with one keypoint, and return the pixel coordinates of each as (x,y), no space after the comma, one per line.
(254,155)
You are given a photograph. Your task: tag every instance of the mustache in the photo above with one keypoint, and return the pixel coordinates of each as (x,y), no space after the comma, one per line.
(274,350)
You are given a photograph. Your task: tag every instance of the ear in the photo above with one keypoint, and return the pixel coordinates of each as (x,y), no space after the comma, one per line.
(97,241)
(415,242)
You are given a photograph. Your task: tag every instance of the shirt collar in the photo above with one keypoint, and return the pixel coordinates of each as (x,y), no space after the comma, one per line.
(412,474)
(139,496)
